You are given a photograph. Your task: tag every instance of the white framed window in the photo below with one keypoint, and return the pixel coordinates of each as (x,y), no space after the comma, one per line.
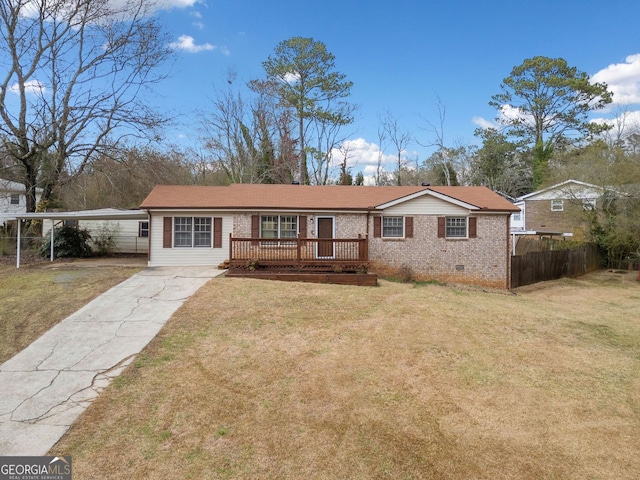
(278,226)
(589,204)
(202,231)
(192,232)
(516,217)
(557,205)
(15,199)
(456,227)
(392,227)
(143,229)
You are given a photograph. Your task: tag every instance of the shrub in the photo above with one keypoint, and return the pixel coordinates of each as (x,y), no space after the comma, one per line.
(104,238)
(406,273)
(68,242)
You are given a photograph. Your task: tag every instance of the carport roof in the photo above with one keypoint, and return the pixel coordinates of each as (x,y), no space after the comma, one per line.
(99,214)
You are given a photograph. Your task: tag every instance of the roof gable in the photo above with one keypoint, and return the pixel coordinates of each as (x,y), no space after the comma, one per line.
(16,187)
(307,197)
(11,186)
(565,190)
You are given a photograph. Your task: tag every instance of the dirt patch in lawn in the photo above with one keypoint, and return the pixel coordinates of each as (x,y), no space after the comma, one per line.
(257,379)
(36,297)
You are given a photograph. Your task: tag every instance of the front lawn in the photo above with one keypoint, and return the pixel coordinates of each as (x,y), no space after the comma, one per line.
(36,297)
(255,379)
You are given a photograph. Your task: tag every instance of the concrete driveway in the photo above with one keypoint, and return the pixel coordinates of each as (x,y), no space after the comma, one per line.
(45,387)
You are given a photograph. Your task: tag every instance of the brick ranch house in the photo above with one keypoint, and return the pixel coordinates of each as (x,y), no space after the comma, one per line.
(458,234)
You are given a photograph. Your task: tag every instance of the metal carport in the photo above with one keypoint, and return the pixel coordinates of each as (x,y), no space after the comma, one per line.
(102,214)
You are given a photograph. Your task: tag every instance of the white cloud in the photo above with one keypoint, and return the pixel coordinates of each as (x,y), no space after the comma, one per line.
(188,44)
(361,153)
(121,8)
(32,86)
(484,123)
(509,113)
(169,4)
(197,23)
(363,156)
(506,114)
(623,79)
(291,78)
(626,122)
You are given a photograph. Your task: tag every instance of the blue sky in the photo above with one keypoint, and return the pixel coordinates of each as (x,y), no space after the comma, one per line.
(402,56)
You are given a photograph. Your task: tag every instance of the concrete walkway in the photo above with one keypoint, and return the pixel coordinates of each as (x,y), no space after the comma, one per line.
(45,387)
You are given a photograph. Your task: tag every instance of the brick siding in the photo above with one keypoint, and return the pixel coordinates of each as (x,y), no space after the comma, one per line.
(539,216)
(484,260)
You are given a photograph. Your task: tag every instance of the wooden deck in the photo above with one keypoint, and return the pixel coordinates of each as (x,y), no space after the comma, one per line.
(343,261)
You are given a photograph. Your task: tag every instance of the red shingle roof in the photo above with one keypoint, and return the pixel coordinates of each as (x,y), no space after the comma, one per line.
(306,197)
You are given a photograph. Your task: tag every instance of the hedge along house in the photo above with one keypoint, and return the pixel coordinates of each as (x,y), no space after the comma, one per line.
(458,234)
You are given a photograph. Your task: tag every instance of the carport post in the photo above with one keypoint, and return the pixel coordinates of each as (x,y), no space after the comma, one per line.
(52,225)
(18,246)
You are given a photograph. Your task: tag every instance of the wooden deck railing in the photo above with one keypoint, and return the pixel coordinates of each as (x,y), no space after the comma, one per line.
(298,253)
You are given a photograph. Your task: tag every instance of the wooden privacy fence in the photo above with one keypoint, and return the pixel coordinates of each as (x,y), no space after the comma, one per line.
(536,267)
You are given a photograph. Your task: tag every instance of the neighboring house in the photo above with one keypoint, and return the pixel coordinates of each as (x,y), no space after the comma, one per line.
(447,233)
(13,199)
(556,209)
(128,228)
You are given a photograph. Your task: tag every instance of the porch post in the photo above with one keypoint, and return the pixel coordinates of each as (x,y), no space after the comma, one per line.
(298,252)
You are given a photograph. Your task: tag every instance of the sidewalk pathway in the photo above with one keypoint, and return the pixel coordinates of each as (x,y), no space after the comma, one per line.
(45,387)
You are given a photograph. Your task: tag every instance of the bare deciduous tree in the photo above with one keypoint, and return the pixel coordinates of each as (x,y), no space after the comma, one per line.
(382,138)
(125,182)
(400,139)
(76,75)
(441,159)
(249,140)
